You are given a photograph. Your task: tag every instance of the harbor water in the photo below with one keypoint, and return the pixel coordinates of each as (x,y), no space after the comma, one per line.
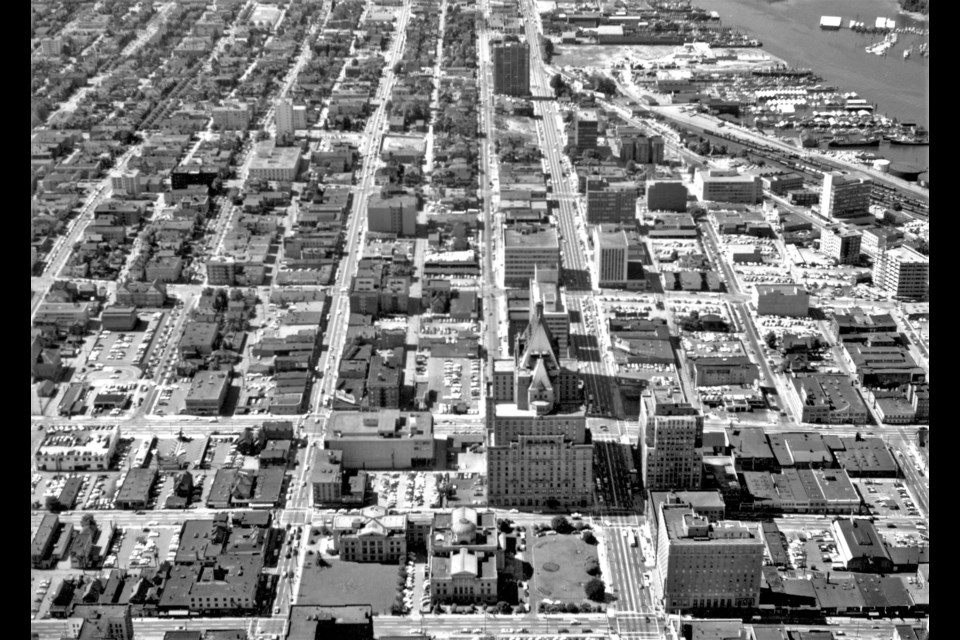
(790,29)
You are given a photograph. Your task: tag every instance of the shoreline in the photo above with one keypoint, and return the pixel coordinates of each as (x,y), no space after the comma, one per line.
(913,15)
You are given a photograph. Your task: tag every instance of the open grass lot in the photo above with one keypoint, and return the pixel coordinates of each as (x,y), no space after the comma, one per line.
(567,555)
(349,583)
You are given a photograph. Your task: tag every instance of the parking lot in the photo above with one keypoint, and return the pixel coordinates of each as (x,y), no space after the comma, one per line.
(137,548)
(171,398)
(887,497)
(407,490)
(119,348)
(456,381)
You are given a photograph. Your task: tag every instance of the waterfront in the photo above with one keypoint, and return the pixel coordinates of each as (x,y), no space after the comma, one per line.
(789,29)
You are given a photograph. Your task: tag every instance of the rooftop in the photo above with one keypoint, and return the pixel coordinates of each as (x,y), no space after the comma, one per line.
(386,423)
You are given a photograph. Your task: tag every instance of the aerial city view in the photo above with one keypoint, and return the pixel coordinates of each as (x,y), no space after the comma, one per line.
(479,319)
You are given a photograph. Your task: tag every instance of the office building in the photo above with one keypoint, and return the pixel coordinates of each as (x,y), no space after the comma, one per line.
(666,195)
(841,243)
(52,47)
(704,565)
(126,182)
(781,300)
(903,273)
(545,290)
(638,147)
(876,240)
(586,128)
(279,164)
(527,248)
(511,68)
(610,249)
(611,203)
(715,185)
(844,196)
(326,477)
(371,536)
(539,452)
(387,439)
(392,214)
(671,445)
(233,116)
(290,117)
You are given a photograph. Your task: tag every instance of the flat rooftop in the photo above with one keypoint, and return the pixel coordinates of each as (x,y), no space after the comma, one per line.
(539,238)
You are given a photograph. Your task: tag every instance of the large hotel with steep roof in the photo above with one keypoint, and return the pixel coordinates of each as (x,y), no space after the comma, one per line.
(540,452)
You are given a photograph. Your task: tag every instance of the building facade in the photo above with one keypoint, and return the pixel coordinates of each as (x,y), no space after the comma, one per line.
(371,536)
(585,130)
(666,195)
(704,565)
(671,447)
(611,249)
(716,185)
(840,243)
(511,68)
(843,196)
(781,300)
(611,203)
(903,273)
(525,250)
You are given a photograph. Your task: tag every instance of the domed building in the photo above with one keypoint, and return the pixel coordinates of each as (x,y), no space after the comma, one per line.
(465,556)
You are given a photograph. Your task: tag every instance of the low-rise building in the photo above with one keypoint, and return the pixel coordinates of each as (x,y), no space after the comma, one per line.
(466,577)
(781,300)
(135,491)
(388,439)
(829,399)
(89,449)
(666,195)
(207,393)
(720,371)
(371,536)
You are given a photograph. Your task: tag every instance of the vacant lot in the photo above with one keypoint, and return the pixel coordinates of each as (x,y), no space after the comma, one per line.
(559,567)
(349,583)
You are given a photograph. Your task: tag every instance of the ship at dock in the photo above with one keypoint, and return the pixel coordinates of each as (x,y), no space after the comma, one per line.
(853,140)
(916,138)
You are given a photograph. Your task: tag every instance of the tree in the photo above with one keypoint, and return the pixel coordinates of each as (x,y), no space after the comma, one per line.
(595,590)
(631,166)
(547,45)
(561,525)
(87,522)
(606,86)
(771,339)
(589,538)
(592,566)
